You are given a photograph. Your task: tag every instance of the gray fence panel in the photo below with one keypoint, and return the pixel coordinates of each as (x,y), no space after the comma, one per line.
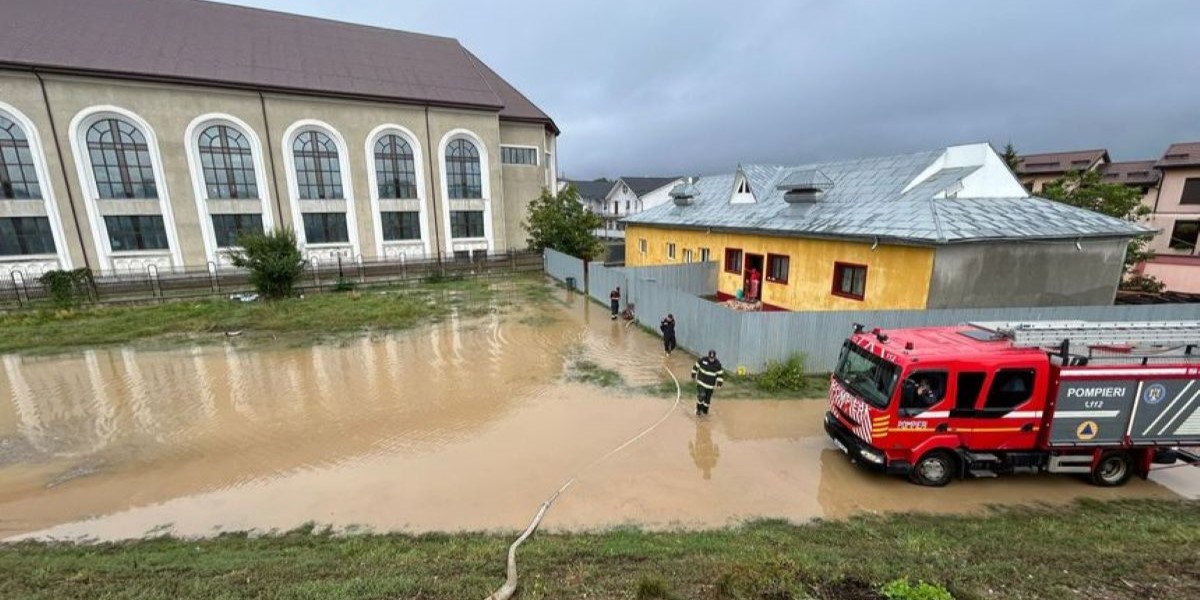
(698,279)
(602,280)
(700,325)
(561,266)
(819,335)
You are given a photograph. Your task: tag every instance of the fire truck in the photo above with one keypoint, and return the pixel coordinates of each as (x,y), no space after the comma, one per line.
(1102,399)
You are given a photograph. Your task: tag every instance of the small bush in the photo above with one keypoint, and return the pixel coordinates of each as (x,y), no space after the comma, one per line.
(67,288)
(1143,283)
(786,376)
(901,589)
(653,589)
(274,262)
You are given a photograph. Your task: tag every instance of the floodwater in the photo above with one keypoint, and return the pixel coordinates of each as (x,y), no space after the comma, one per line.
(463,425)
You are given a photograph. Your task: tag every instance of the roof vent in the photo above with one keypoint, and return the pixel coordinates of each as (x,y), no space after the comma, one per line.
(683,193)
(805,185)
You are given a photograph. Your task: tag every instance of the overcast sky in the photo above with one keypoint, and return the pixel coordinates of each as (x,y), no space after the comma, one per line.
(666,87)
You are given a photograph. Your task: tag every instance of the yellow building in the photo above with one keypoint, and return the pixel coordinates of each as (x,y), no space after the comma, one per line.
(943,229)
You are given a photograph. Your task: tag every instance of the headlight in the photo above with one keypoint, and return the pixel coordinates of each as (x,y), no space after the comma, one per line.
(872,456)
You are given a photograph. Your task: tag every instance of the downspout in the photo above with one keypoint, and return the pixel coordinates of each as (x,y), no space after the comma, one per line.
(63,166)
(262,102)
(433,187)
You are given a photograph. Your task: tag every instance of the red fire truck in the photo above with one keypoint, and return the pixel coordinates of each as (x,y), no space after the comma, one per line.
(1108,400)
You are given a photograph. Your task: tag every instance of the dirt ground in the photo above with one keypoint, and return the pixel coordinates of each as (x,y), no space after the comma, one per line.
(463,425)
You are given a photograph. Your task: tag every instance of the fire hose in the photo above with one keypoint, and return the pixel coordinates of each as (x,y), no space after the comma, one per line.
(510,583)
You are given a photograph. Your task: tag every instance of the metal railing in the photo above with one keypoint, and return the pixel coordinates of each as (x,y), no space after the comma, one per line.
(154,284)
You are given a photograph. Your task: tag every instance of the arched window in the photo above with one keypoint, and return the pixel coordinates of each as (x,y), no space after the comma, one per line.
(18,179)
(120,160)
(462,170)
(318,174)
(227,162)
(394,168)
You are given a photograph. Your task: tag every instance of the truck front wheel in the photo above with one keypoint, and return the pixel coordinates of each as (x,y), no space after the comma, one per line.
(1113,469)
(935,469)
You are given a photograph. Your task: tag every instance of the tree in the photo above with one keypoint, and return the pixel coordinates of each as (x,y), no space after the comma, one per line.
(274,261)
(1010,157)
(560,222)
(1087,190)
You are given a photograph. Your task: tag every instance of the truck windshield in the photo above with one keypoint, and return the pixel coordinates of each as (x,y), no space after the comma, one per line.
(867,375)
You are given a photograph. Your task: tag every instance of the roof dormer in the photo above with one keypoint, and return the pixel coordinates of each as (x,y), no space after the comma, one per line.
(742,192)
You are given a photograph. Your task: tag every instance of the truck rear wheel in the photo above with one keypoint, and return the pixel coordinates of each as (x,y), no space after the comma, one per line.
(935,469)
(1113,469)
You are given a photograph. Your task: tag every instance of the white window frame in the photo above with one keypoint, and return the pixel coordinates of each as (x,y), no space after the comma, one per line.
(83,120)
(191,141)
(670,250)
(49,200)
(289,136)
(687,255)
(485,175)
(537,160)
(376,201)
(705,255)
(642,246)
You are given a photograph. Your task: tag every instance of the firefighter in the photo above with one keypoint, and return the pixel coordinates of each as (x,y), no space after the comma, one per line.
(614,302)
(668,332)
(708,375)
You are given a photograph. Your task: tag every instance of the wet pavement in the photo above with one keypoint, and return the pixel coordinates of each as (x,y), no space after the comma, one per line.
(463,425)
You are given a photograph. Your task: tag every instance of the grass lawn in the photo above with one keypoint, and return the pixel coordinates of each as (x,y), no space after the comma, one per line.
(1114,550)
(48,330)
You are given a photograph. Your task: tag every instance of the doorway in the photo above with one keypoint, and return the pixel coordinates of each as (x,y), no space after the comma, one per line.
(752,277)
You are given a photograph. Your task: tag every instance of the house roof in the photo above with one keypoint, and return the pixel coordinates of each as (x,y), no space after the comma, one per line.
(1059,162)
(1186,154)
(912,198)
(218,44)
(593,190)
(641,186)
(1131,172)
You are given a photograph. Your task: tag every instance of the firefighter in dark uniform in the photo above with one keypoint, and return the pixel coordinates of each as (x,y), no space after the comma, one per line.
(708,375)
(667,327)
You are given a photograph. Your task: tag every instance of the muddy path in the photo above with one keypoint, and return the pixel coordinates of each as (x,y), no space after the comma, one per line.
(461,425)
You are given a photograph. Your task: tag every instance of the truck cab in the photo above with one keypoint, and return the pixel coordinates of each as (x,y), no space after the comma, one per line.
(935,403)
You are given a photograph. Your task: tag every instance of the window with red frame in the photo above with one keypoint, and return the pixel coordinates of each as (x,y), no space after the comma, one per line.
(733,260)
(849,281)
(777,268)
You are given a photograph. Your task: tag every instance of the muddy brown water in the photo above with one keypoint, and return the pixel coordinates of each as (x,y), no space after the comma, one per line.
(463,425)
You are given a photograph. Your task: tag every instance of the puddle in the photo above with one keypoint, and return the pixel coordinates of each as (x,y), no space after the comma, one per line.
(466,424)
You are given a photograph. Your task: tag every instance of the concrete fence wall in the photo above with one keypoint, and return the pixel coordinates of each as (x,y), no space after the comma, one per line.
(752,339)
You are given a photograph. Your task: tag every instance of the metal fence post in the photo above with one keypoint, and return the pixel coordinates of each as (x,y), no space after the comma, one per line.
(18,282)
(214,276)
(316,266)
(155,288)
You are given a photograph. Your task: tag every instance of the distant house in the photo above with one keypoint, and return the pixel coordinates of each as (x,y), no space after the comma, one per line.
(1036,170)
(1170,187)
(941,229)
(1177,214)
(594,197)
(615,200)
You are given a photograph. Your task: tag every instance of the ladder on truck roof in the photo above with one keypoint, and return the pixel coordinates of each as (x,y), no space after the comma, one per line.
(1048,334)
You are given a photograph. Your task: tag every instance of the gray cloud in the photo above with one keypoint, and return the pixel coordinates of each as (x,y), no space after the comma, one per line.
(675,87)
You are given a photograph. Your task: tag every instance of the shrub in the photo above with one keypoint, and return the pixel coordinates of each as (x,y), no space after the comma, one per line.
(343,285)
(67,288)
(274,261)
(1143,283)
(652,589)
(786,376)
(901,589)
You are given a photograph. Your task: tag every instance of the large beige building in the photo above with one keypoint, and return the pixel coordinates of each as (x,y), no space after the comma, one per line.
(140,133)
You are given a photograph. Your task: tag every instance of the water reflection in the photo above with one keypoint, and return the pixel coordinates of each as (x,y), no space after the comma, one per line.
(703,449)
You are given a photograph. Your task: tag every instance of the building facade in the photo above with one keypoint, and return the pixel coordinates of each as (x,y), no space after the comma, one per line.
(1176,214)
(945,229)
(1170,188)
(160,154)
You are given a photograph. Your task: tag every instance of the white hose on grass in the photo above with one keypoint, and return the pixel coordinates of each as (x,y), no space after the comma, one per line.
(510,583)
